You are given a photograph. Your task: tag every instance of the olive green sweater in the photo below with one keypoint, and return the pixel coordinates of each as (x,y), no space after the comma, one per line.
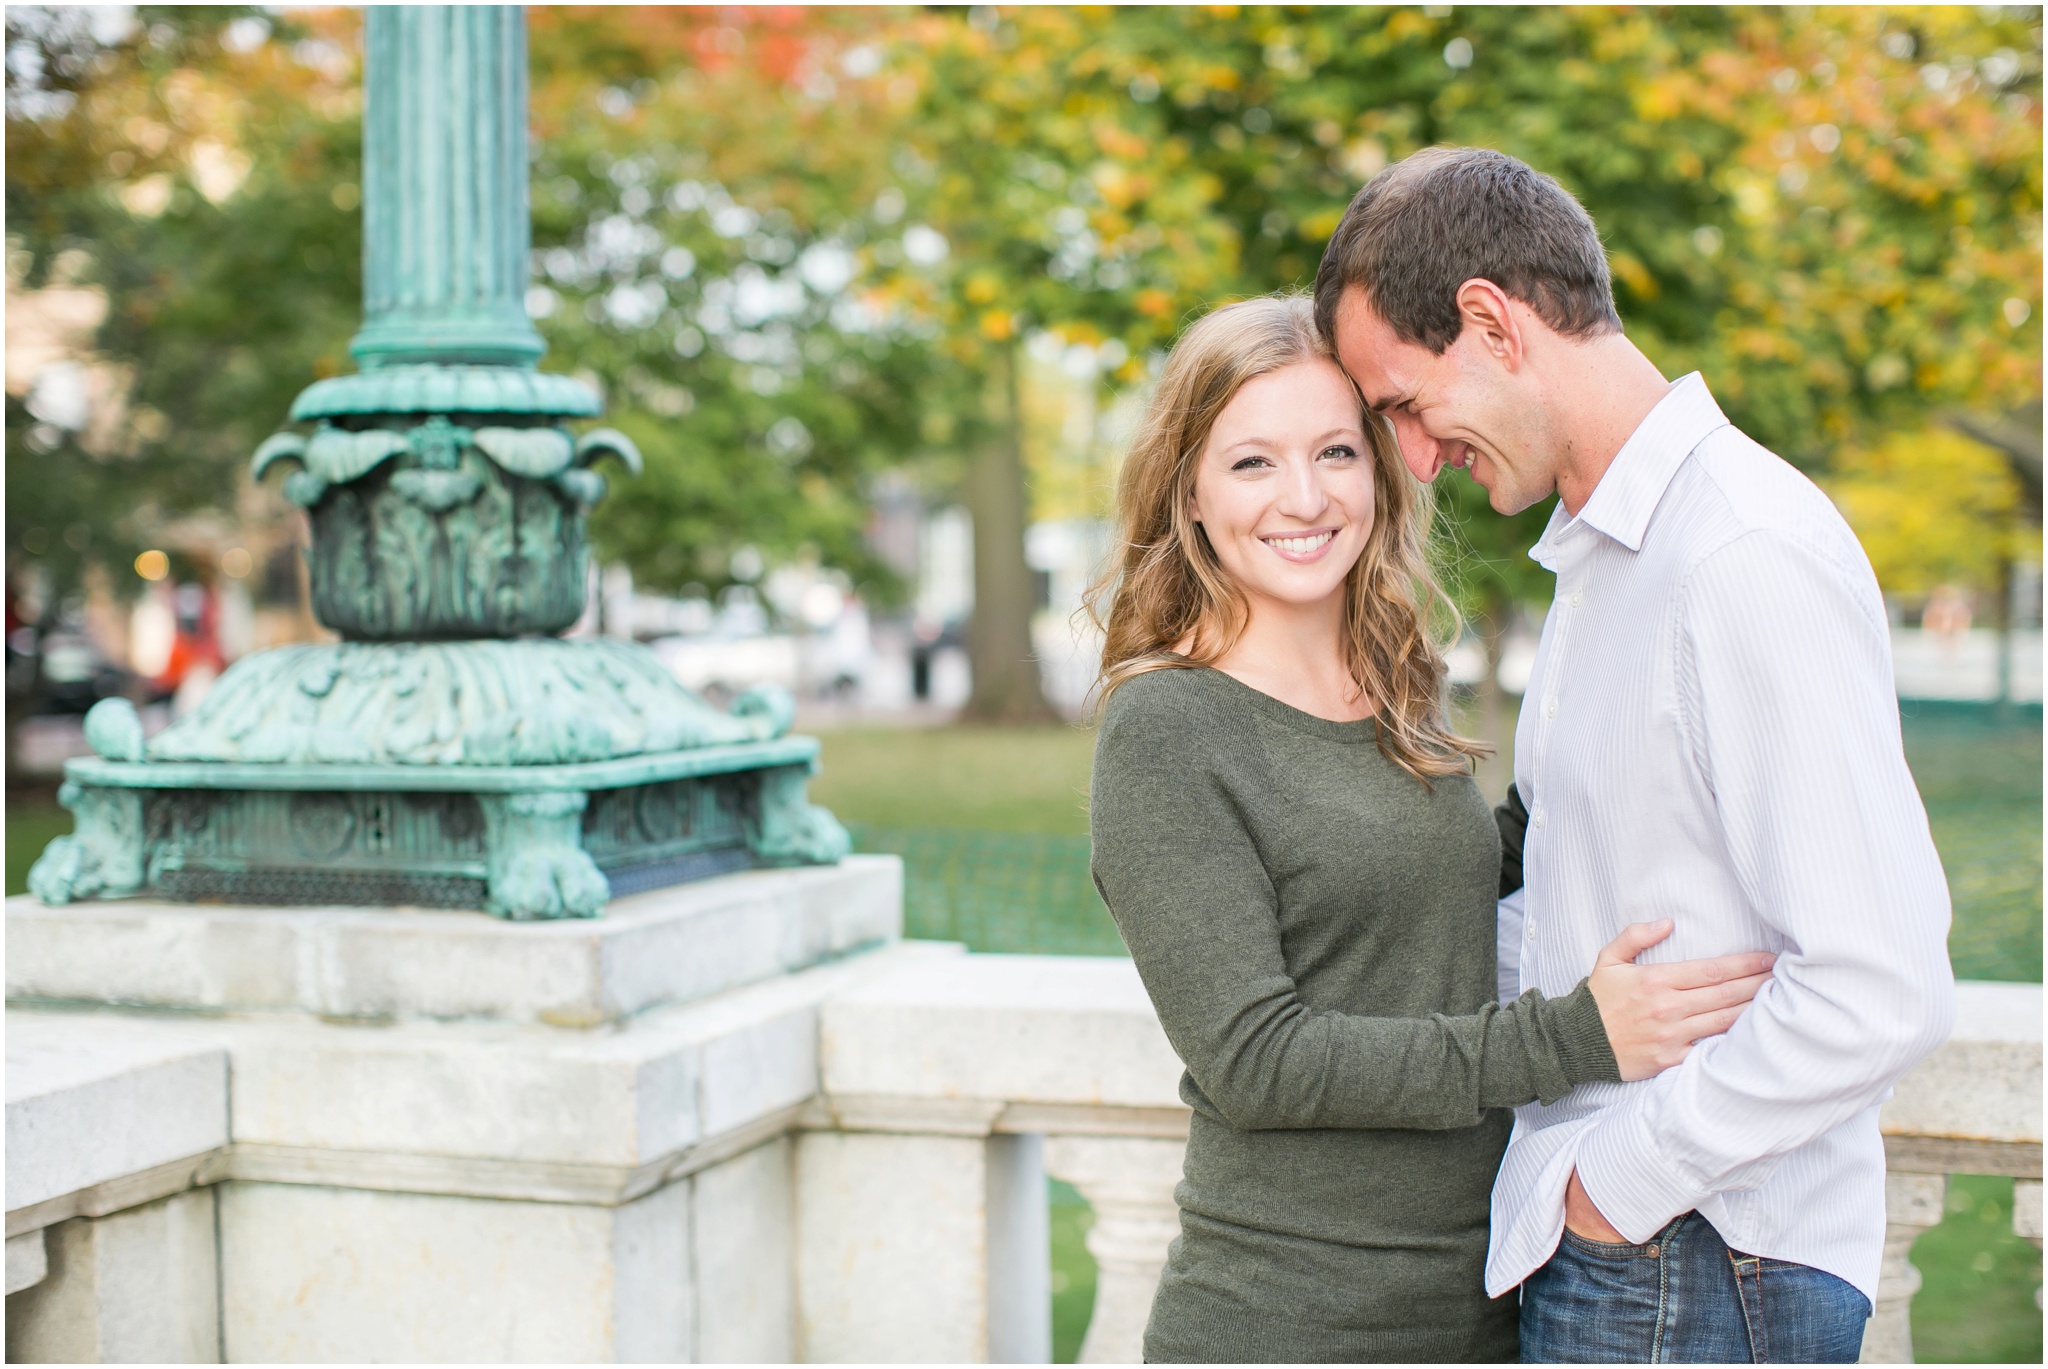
(1316,929)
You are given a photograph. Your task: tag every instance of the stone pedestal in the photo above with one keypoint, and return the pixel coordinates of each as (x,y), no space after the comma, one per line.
(671,945)
(433,1135)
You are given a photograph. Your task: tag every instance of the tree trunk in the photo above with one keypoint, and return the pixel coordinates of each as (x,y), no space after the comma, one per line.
(2001,620)
(999,651)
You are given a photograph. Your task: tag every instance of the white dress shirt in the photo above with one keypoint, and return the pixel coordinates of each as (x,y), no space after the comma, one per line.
(1710,735)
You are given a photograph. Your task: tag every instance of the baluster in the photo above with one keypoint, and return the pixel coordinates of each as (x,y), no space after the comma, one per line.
(2026,1216)
(1129,1182)
(1912,1203)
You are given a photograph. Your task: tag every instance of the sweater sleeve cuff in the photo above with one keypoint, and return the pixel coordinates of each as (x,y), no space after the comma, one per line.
(1582,1042)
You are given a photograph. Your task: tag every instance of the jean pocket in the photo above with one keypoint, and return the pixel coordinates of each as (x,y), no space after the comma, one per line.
(1611,1250)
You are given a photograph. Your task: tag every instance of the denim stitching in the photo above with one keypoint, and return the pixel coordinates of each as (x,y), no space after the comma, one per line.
(1662,1245)
(1752,1305)
(1663,1299)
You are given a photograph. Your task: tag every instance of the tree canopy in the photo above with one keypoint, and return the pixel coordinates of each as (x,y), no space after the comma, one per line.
(798,247)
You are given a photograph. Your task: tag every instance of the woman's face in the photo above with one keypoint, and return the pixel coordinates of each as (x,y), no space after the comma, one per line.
(1285,484)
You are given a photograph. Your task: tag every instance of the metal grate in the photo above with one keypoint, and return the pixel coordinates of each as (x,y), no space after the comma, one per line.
(1019,892)
(637,879)
(300,887)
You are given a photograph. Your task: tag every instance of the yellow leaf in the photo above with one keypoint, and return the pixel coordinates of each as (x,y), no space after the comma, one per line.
(1152,301)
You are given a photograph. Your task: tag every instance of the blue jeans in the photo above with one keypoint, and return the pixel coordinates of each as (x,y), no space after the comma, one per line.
(1685,1298)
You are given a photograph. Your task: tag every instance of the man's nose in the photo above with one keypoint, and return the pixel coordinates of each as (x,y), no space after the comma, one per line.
(1418,448)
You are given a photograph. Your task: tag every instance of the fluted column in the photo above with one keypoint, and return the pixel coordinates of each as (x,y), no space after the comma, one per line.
(445,222)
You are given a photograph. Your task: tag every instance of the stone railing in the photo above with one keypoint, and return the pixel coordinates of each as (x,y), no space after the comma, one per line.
(1068,1049)
(729,1121)
(1973,1107)
(996,1071)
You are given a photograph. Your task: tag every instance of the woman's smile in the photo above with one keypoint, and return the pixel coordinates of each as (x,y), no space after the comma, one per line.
(1301,547)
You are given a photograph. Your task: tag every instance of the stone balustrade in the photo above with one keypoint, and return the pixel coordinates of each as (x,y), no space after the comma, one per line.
(730,1121)
(948,1065)
(1973,1107)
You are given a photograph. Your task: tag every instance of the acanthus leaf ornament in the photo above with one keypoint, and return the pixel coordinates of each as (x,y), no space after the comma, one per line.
(533,452)
(599,443)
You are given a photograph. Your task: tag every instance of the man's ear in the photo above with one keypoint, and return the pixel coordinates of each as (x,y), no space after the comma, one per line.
(1489,315)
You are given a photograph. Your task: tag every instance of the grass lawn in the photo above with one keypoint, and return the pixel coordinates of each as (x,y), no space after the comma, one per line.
(1981,782)
(1976,1304)
(1027,779)
(33,818)
(1073,1271)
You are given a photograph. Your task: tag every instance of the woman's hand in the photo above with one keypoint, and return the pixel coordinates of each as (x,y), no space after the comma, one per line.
(1654,1013)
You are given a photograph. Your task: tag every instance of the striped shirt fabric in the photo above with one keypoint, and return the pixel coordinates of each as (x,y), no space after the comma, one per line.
(1710,734)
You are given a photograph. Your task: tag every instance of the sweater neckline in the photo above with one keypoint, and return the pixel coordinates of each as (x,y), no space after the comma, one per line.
(1359,730)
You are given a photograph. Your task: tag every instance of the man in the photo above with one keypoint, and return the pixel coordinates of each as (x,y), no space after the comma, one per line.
(1710,735)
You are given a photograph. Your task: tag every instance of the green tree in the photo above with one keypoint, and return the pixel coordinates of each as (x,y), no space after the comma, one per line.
(1046,205)
(706,192)
(190,172)
(797,247)
(1835,214)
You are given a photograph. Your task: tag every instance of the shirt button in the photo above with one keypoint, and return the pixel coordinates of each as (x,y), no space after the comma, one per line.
(1578,597)
(1532,929)
(1536,818)
(1550,708)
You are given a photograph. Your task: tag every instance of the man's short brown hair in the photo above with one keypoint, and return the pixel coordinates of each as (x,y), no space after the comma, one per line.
(1432,221)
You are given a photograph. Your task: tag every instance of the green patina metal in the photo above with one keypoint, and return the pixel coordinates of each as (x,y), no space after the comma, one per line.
(448,751)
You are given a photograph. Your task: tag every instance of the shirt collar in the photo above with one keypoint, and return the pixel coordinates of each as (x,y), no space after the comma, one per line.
(1621,504)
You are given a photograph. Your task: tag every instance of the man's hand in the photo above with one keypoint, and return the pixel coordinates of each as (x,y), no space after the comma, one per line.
(1581,1218)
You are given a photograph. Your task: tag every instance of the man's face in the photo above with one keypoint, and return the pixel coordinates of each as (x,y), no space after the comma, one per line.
(1465,409)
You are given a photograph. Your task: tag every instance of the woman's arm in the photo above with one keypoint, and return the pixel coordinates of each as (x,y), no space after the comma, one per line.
(1181,875)
(1178,869)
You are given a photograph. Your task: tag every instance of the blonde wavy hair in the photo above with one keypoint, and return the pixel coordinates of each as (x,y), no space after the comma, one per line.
(1166,585)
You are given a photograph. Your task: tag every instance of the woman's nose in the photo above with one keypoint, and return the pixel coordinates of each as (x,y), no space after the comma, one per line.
(1302,495)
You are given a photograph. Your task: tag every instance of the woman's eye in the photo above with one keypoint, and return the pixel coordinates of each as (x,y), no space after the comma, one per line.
(1339,452)
(1251,463)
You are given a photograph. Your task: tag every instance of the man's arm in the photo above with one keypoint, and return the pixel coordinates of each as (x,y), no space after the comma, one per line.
(1786,693)
(1509,916)
(1513,820)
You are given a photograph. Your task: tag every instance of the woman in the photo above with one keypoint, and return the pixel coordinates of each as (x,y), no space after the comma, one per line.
(1288,836)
